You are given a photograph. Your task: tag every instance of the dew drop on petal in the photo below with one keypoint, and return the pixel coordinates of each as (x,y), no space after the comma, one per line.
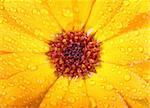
(122,49)
(130,49)
(1,21)
(71,99)
(53,103)
(67,13)
(93,103)
(110,9)
(109,87)
(92,82)
(126,3)
(13,98)
(119,25)
(44,11)
(32,67)
(141,49)
(127,77)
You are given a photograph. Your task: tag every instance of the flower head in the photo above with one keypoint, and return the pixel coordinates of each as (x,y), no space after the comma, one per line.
(74,53)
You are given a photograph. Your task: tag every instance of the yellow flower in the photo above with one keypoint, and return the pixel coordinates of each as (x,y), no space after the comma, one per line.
(27,78)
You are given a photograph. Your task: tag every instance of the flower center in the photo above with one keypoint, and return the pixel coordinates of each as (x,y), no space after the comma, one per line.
(74,54)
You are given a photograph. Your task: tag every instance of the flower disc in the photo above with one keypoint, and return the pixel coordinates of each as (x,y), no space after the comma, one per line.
(74,54)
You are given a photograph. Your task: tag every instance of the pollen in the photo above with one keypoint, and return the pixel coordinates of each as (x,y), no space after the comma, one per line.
(74,54)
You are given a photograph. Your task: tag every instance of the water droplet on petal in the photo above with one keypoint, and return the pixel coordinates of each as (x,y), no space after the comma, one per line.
(130,49)
(93,103)
(1,21)
(119,25)
(127,77)
(141,49)
(109,87)
(53,103)
(122,49)
(44,11)
(67,12)
(126,3)
(92,82)
(90,31)
(110,9)
(71,99)
(32,67)
(121,40)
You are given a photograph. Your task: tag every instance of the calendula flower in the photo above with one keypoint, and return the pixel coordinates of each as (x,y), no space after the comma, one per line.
(74,53)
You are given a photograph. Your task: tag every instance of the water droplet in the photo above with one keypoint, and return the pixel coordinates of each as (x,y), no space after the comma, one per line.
(32,67)
(44,11)
(119,72)
(130,49)
(141,49)
(121,84)
(127,77)
(110,9)
(1,21)
(67,12)
(90,31)
(122,49)
(22,87)
(119,25)
(71,99)
(13,98)
(92,82)
(34,11)
(93,103)
(53,103)
(126,3)
(109,87)
(2,93)
(121,40)
(134,90)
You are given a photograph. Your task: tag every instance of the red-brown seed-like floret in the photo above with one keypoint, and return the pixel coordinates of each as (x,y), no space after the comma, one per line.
(74,54)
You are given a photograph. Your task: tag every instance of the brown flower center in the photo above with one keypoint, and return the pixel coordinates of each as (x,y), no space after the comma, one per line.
(74,54)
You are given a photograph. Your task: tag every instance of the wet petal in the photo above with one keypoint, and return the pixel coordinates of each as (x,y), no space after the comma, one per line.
(125,81)
(11,64)
(102,94)
(12,40)
(131,16)
(64,95)
(137,103)
(24,88)
(142,69)
(30,17)
(102,12)
(71,14)
(128,48)
(55,94)
(76,96)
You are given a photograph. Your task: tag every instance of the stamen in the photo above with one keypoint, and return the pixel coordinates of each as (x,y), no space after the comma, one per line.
(74,54)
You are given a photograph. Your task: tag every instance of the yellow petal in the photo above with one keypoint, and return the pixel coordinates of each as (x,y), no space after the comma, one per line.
(76,97)
(64,95)
(132,15)
(102,94)
(24,88)
(137,103)
(71,14)
(12,40)
(30,17)
(124,80)
(11,64)
(55,94)
(102,12)
(143,69)
(127,48)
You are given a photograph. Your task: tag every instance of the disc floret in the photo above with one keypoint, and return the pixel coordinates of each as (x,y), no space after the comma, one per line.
(74,54)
